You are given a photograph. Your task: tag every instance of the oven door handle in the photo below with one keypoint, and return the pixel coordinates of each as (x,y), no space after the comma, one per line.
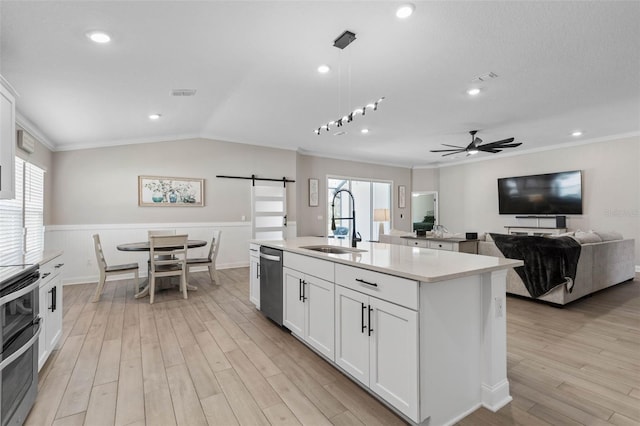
(19,293)
(8,360)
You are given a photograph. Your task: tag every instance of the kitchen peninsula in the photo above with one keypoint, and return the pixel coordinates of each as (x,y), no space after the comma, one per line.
(423,330)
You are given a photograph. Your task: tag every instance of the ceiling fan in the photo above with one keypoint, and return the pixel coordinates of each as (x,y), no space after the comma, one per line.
(474,147)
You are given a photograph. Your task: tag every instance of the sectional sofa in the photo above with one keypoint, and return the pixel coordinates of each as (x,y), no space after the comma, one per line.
(606,259)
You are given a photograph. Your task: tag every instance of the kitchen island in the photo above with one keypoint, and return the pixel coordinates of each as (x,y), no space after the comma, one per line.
(423,330)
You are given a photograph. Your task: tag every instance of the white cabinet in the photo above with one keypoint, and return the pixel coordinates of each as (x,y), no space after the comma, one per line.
(308,310)
(50,309)
(377,344)
(7,142)
(254,271)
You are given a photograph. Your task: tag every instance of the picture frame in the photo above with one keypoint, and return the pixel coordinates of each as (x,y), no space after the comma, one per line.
(313,192)
(164,191)
(402,193)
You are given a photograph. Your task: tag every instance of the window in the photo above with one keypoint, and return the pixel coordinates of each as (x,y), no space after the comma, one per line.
(21,219)
(369,196)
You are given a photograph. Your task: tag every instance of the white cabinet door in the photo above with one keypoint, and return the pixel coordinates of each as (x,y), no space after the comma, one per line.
(254,279)
(394,355)
(54,312)
(351,335)
(7,144)
(293,306)
(43,353)
(319,318)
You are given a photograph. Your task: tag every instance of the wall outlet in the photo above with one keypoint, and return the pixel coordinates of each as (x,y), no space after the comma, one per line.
(499,307)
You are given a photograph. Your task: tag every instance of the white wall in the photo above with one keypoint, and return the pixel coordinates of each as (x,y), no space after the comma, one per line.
(611,188)
(100,186)
(312,220)
(79,254)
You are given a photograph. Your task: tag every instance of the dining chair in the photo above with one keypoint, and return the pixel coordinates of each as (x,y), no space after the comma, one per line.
(161,232)
(108,270)
(210,261)
(168,258)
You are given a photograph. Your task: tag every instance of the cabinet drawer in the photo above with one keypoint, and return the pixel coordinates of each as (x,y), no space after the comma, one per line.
(49,270)
(417,243)
(254,250)
(309,265)
(441,245)
(393,289)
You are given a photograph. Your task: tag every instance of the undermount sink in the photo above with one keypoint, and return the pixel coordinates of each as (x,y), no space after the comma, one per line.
(333,249)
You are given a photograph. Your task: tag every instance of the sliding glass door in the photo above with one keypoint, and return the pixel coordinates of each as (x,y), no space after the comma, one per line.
(372,207)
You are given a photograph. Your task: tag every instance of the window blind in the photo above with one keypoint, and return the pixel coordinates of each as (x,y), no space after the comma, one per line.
(21,219)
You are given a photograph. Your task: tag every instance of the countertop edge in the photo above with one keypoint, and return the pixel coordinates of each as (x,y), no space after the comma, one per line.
(505,264)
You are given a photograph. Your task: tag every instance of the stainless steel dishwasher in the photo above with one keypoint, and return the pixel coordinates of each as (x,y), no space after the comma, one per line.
(271,283)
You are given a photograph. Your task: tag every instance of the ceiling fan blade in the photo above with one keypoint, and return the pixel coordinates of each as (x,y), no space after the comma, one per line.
(509,145)
(453,146)
(447,150)
(492,144)
(452,153)
(491,150)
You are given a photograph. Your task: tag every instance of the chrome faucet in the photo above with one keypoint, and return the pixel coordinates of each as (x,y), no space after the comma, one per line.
(354,239)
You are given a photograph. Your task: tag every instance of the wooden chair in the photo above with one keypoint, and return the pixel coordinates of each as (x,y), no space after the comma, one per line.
(210,261)
(153,232)
(108,270)
(168,258)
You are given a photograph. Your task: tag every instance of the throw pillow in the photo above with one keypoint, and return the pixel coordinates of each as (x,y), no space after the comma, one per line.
(587,237)
(609,236)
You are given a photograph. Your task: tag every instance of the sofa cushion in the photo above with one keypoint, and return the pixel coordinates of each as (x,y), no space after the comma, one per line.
(586,237)
(609,236)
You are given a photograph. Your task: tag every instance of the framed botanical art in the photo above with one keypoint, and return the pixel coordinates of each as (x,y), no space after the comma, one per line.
(161,191)
(402,202)
(313,192)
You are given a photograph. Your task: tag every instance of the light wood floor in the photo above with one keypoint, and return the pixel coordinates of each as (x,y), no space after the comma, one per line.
(213,359)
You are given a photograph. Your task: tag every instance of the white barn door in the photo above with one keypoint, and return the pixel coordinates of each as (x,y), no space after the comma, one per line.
(269,210)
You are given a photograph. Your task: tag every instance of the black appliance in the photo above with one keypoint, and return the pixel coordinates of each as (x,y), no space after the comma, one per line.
(548,194)
(271,283)
(19,290)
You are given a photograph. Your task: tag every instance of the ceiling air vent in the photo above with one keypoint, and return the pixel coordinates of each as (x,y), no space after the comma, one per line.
(485,77)
(183,92)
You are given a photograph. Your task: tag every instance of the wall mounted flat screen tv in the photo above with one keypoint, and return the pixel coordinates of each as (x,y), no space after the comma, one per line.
(547,194)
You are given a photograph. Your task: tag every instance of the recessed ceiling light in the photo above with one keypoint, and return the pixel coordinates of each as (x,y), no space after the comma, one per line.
(405,10)
(364,131)
(473,92)
(323,69)
(99,37)
(576,133)
(154,116)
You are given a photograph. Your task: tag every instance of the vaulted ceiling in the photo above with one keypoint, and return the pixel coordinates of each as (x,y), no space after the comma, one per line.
(560,66)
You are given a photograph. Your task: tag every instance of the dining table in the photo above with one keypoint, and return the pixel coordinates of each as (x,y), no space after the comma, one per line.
(145,246)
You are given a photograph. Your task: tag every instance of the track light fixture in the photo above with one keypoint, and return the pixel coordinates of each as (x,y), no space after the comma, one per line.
(349,117)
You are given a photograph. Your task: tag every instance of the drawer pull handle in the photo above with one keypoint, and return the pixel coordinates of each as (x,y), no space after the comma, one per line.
(366,282)
(370,329)
(45,275)
(59,265)
(364,327)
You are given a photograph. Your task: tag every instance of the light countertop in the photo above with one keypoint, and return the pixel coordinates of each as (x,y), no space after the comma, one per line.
(13,264)
(421,264)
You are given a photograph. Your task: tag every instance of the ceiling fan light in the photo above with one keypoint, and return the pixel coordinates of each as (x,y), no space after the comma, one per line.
(323,69)
(576,133)
(473,151)
(473,92)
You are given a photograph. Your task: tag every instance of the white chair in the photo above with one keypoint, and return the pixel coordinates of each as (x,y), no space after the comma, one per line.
(153,232)
(168,258)
(210,261)
(108,270)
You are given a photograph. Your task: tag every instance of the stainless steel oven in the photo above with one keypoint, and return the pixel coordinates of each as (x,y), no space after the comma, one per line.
(19,341)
